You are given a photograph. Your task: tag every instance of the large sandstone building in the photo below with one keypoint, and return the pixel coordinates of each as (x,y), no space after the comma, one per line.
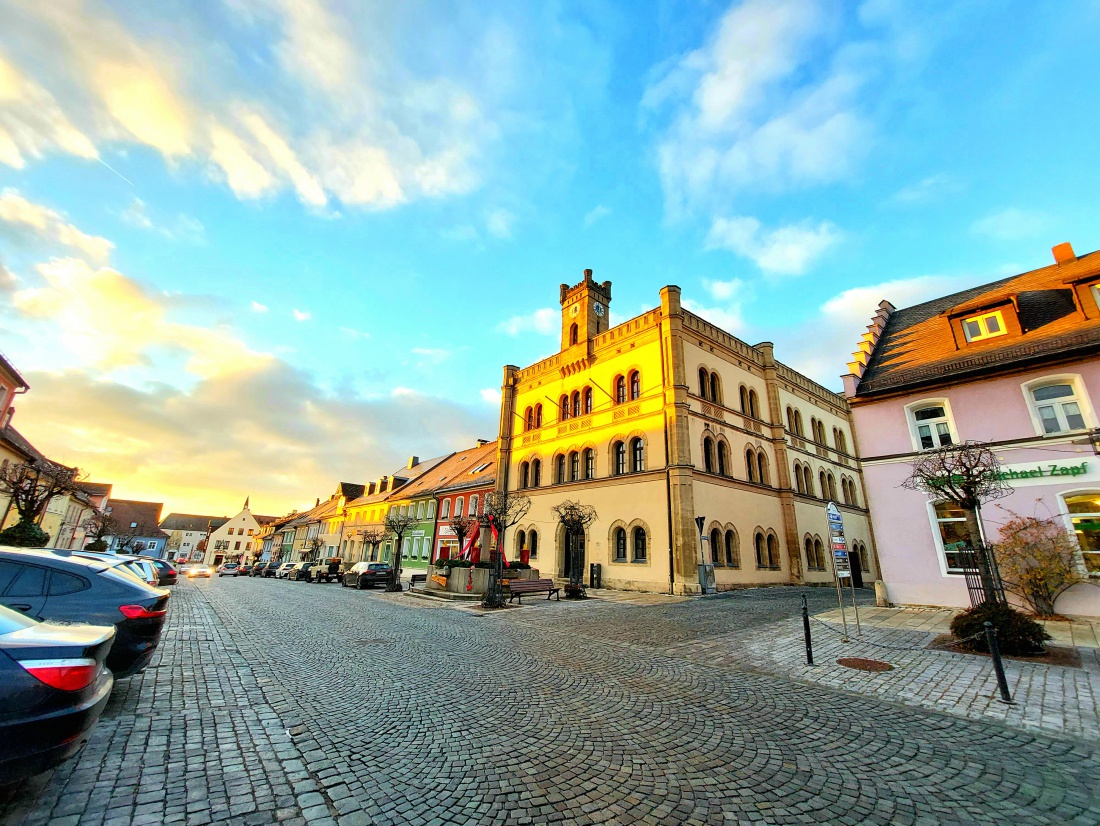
(666,418)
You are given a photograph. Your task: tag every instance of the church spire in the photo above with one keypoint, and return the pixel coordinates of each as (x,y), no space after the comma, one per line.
(246,502)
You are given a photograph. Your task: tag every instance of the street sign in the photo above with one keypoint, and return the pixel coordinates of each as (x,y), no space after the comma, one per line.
(700,521)
(842,565)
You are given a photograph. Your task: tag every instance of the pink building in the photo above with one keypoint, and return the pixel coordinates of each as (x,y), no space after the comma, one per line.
(1015,363)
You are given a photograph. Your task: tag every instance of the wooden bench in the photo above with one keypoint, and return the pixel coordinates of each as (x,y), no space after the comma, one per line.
(518,587)
(417,578)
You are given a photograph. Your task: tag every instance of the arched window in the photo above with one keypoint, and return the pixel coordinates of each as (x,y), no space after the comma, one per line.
(750,465)
(574,466)
(832,487)
(521,540)
(761,547)
(754,405)
(637,454)
(744,394)
(813,429)
(733,556)
(473,505)
(639,545)
(635,385)
(773,551)
(533,539)
(560,474)
(852,492)
(723,459)
(620,390)
(799,483)
(563,403)
(715,545)
(704,383)
(588,400)
(458,506)
(620,544)
(536,473)
(589,463)
(618,458)
(809,479)
(708,455)
(524,474)
(538,415)
(809,543)
(573,334)
(576,403)
(798,423)
(824,484)
(528,419)
(762,468)
(445,509)
(715,389)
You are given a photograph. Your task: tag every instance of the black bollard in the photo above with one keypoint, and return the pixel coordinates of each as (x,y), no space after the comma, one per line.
(806,631)
(998,667)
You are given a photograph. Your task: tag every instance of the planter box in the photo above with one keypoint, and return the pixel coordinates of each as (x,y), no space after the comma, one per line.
(461,576)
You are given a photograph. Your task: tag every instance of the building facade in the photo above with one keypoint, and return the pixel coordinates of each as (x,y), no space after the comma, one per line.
(463,494)
(1015,363)
(666,419)
(232,541)
(186,531)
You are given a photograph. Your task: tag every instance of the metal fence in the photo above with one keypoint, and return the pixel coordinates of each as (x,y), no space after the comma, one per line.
(983,577)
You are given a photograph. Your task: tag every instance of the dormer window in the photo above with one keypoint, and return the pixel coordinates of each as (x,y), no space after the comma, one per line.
(981,327)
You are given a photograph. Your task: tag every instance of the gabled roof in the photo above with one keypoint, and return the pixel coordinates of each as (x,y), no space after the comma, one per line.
(17,442)
(406,474)
(95,488)
(480,470)
(192,522)
(11,371)
(128,511)
(455,465)
(918,345)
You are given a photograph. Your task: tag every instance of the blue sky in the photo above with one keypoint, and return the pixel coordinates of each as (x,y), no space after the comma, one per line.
(262,247)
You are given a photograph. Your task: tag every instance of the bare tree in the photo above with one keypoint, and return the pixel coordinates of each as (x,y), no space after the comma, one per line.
(126,540)
(966,475)
(30,486)
(503,509)
(575,518)
(373,536)
(98,527)
(463,526)
(313,548)
(398,524)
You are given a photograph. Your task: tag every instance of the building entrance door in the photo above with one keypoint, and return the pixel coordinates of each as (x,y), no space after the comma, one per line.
(574,556)
(857,568)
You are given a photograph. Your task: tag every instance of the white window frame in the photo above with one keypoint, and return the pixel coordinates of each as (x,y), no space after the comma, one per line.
(910,418)
(941,552)
(1067,518)
(459,502)
(445,509)
(1081,396)
(981,319)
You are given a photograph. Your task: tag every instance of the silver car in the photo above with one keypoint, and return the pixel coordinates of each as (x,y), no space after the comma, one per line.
(284,569)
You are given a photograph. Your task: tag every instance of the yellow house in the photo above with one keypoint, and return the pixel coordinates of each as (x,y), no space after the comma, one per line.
(666,419)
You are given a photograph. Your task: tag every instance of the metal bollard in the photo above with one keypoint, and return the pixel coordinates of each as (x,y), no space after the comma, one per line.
(806,631)
(998,667)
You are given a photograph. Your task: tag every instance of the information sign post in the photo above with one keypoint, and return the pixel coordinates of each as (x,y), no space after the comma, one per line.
(842,564)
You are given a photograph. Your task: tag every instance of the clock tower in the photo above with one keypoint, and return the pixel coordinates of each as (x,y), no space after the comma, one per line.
(584,311)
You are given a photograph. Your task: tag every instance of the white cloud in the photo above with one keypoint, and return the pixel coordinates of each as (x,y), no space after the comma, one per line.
(492,395)
(499,222)
(353,333)
(461,233)
(183,228)
(728,318)
(1011,224)
(545,321)
(724,290)
(301,315)
(435,354)
(932,188)
(24,221)
(788,250)
(257,307)
(595,214)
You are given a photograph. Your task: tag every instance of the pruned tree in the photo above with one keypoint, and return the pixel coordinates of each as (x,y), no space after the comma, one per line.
(502,509)
(575,519)
(30,486)
(966,475)
(1037,558)
(463,526)
(373,536)
(313,548)
(398,524)
(98,527)
(126,539)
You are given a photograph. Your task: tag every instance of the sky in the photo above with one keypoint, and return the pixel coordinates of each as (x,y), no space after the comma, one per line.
(259,247)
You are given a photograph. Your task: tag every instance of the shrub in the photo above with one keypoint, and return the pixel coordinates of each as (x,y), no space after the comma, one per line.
(516,565)
(24,535)
(98,546)
(1017,634)
(483,564)
(1038,561)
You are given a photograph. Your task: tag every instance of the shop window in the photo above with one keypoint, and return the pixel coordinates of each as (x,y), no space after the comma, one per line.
(981,327)
(954,537)
(1058,407)
(1084,512)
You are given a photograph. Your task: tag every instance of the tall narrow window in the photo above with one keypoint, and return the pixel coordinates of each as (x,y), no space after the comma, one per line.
(564,405)
(760,546)
(620,544)
(473,505)
(954,536)
(458,507)
(573,334)
(620,390)
(813,429)
(790,419)
(588,400)
(576,403)
(715,545)
(589,463)
(528,419)
(715,389)
(639,545)
(574,466)
(538,415)
(723,459)
(536,473)
(521,540)
(524,474)
(798,423)
(635,385)
(733,557)
(750,465)
(560,475)
(832,487)
(773,552)
(824,484)
(799,483)
(618,451)
(932,426)
(637,455)
(533,538)
(754,405)
(445,509)
(762,467)
(744,394)
(708,455)
(704,384)
(1058,408)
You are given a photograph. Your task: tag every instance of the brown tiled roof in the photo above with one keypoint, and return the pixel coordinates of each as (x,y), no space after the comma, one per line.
(128,511)
(478,472)
(17,442)
(918,347)
(443,473)
(404,472)
(191,522)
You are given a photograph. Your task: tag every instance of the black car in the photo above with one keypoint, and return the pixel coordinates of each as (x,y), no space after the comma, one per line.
(300,572)
(368,574)
(58,585)
(271,567)
(245,569)
(166,571)
(54,684)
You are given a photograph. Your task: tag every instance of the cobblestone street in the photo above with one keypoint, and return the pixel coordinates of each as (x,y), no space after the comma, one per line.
(274,701)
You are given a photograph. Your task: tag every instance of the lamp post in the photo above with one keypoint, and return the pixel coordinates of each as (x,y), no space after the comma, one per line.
(494,592)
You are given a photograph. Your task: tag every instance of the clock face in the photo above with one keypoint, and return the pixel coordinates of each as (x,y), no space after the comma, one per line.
(576,308)
(599,309)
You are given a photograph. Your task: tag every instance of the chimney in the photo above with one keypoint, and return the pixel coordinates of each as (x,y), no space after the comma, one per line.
(482,442)
(413,461)
(318,502)
(1063,253)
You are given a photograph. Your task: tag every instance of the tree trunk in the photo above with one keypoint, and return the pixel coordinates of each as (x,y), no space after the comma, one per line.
(985,572)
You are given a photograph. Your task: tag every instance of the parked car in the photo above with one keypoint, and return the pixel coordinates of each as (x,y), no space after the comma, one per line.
(54,684)
(166,570)
(62,585)
(300,571)
(200,570)
(283,571)
(244,570)
(258,568)
(139,567)
(368,574)
(271,568)
(327,570)
(228,569)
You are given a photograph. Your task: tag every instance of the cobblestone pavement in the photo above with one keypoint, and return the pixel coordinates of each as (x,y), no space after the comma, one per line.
(406,712)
